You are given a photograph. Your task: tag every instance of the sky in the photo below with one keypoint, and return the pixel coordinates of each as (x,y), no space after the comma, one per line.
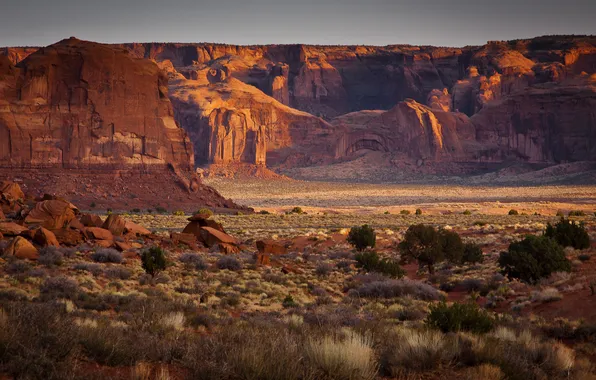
(345,22)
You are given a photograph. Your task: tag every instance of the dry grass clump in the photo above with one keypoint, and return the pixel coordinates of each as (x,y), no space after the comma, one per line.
(485,372)
(343,357)
(397,288)
(547,295)
(415,350)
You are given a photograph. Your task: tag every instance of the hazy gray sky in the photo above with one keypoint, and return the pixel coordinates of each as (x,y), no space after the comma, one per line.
(374,22)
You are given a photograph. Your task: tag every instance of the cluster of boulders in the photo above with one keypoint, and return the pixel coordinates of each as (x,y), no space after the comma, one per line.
(30,224)
(206,232)
(27,225)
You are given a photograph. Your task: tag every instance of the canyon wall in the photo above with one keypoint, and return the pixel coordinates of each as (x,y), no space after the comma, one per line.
(300,105)
(78,104)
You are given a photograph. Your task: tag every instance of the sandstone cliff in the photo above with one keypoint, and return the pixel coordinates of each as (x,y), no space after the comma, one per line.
(77,117)
(79,104)
(527,100)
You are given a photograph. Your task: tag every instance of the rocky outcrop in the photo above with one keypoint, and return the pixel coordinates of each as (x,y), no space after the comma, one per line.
(409,129)
(231,122)
(79,104)
(248,104)
(548,124)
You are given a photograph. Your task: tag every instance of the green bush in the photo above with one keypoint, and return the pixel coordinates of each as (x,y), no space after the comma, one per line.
(297,210)
(371,262)
(178,213)
(459,317)
(569,234)
(161,210)
(513,212)
(289,302)
(205,211)
(404,212)
(367,260)
(362,237)
(418,211)
(472,253)
(534,258)
(577,213)
(429,246)
(153,260)
(467,212)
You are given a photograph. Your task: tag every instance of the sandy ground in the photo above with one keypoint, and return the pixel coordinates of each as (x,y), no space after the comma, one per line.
(343,197)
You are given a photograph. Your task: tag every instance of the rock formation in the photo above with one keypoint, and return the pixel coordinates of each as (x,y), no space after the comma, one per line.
(81,108)
(297,105)
(79,104)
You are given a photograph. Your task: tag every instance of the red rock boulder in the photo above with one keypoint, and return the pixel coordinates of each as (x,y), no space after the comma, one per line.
(135,229)
(21,248)
(91,220)
(271,247)
(99,233)
(11,229)
(11,191)
(211,237)
(45,238)
(52,214)
(115,224)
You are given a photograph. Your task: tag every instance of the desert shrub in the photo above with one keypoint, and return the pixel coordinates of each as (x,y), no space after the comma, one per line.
(50,256)
(418,211)
(390,268)
(229,263)
(205,211)
(472,253)
(161,210)
(472,284)
(59,287)
(343,358)
(153,260)
(367,260)
(246,352)
(13,294)
(193,260)
(533,258)
(576,213)
(429,246)
(178,213)
(274,278)
(289,302)
(414,350)
(459,317)
(547,295)
(396,288)
(513,212)
(485,372)
(107,255)
(362,237)
(296,210)
(371,262)
(118,272)
(451,245)
(37,341)
(17,267)
(323,269)
(93,268)
(569,234)
(404,212)
(467,212)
